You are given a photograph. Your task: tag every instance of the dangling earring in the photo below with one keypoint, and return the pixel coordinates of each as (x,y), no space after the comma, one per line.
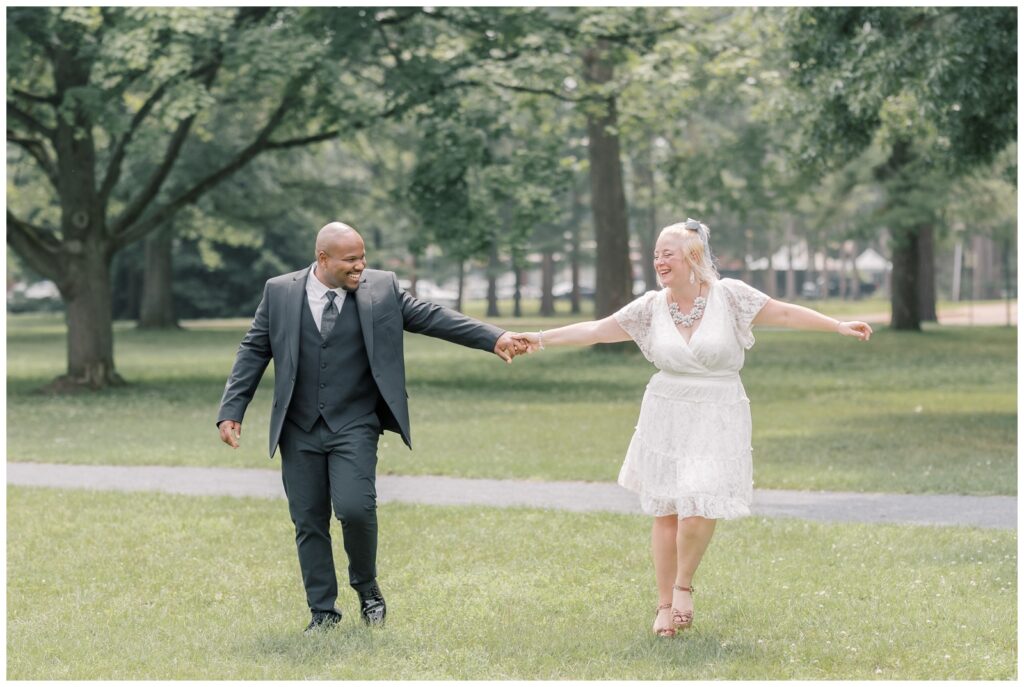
(693,280)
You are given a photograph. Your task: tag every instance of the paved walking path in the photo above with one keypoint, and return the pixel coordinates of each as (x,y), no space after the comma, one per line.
(919,509)
(965,314)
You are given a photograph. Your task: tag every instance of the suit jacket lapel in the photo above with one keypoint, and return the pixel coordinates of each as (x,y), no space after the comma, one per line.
(296,302)
(364,301)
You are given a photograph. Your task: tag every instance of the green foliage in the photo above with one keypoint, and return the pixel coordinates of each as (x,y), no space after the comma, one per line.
(463,127)
(486,173)
(951,70)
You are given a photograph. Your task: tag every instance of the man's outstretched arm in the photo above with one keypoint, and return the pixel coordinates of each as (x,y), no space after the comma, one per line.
(422,317)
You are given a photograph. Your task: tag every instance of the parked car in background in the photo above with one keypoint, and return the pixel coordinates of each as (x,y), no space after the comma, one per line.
(41,296)
(563,290)
(427,290)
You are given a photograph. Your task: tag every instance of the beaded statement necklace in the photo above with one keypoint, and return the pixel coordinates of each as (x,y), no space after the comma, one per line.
(691,317)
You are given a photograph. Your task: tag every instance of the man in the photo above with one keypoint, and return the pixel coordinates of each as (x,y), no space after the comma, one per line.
(334,332)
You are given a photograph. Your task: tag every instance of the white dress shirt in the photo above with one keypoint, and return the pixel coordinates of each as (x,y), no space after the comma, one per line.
(316,294)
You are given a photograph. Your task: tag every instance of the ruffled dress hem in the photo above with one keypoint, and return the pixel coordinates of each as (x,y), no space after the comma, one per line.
(710,506)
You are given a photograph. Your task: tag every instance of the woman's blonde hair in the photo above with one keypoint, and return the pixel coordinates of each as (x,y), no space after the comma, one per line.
(694,239)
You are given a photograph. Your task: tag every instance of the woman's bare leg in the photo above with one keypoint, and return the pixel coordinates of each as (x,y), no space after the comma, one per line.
(692,538)
(663,551)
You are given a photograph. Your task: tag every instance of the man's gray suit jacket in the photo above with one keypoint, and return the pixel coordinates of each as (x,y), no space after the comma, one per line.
(385,310)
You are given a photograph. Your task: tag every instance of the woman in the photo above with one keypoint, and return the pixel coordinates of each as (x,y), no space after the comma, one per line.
(689,459)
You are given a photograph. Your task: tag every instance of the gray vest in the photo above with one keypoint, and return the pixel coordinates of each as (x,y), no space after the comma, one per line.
(333,379)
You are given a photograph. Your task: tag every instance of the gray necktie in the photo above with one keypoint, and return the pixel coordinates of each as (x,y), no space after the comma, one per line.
(330,315)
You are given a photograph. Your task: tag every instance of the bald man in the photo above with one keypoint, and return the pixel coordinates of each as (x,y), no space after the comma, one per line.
(334,332)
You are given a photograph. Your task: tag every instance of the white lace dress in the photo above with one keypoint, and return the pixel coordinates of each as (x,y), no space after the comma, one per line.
(691,454)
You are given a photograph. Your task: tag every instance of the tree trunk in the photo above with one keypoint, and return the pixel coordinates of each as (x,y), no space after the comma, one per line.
(790,271)
(157,308)
(772,283)
(87,249)
(844,272)
(90,322)
(926,273)
(981,261)
(547,283)
(855,278)
(906,264)
(607,196)
(748,254)
(825,275)
(958,266)
(517,306)
(1007,280)
(493,267)
(462,284)
(415,276)
(904,290)
(574,250)
(643,195)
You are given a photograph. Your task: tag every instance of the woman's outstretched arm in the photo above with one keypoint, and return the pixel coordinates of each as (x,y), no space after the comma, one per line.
(578,334)
(779,314)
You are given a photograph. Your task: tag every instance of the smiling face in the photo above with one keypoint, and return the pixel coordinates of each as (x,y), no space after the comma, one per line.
(341,259)
(669,260)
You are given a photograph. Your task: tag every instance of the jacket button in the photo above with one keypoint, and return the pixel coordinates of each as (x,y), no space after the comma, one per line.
(321,405)
(323,366)
(322,385)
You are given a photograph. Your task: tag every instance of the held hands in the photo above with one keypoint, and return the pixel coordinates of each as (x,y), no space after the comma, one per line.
(861,330)
(507,347)
(511,344)
(230,432)
(529,340)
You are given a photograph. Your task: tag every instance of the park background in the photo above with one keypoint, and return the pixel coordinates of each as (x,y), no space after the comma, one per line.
(516,164)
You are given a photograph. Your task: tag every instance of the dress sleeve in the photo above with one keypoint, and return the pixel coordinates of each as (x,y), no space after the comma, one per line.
(635,318)
(744,303)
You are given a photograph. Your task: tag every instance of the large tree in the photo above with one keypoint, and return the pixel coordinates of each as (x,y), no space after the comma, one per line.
(93,92)
(935,86)
(87,87)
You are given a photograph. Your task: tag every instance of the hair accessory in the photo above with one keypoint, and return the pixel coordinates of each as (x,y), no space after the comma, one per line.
(704,233)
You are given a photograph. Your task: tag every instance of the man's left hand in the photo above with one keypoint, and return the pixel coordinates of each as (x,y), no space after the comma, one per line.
(508,347)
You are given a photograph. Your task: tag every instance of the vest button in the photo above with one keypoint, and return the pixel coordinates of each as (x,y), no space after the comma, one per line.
(322,385)
(321,405)
(323,345)
(323,366)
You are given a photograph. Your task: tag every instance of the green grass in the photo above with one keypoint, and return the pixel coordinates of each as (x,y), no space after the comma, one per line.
(149,586)
(932,412)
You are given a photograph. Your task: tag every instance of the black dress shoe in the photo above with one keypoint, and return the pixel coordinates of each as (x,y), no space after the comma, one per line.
(372,606)
(324,619)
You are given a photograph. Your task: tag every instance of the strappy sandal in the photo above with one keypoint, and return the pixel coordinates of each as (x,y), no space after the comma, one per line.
(682,619)
(665,631)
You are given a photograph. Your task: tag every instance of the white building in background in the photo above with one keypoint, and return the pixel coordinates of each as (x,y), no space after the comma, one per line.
(869,262)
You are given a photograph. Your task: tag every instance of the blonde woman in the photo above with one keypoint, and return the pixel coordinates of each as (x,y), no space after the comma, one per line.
(690,456)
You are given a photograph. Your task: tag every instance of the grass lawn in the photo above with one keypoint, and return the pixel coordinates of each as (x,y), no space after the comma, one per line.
(149,586)
(932,412)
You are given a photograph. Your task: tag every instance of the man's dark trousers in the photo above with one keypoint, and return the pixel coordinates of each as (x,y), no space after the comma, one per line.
(321,469)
